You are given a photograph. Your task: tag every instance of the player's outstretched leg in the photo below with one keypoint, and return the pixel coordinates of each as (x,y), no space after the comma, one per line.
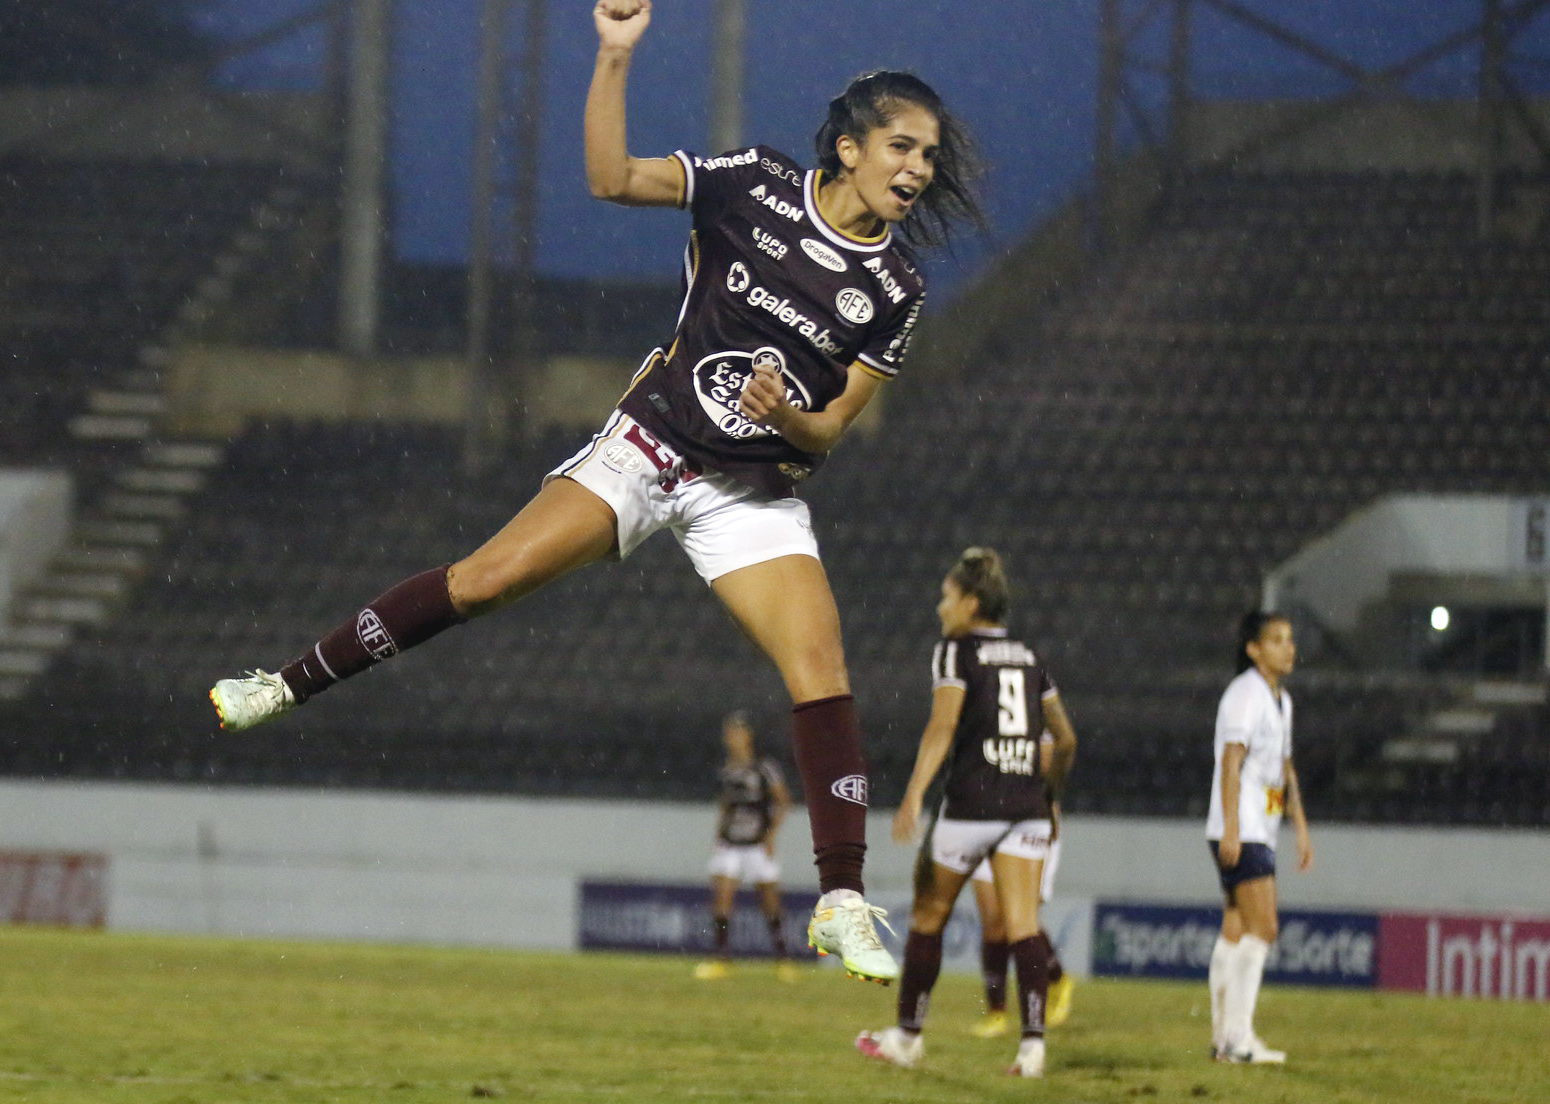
(786,608)
(564,527)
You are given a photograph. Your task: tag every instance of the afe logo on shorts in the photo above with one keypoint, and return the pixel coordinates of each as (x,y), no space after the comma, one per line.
(373,636)
(737,278)
(854,306)
(623,458)
(851,788)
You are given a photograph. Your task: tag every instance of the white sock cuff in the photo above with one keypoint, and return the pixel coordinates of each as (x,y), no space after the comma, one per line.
(1253,949)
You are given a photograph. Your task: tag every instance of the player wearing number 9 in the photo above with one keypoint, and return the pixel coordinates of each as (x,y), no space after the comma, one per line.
(992,698)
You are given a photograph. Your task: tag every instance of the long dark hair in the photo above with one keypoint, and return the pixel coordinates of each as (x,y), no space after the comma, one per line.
(979,572)
(870,101)
(1249,630)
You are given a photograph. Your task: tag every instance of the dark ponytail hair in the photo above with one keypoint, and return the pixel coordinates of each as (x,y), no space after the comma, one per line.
(870,101)
(979,572)
(1249,630)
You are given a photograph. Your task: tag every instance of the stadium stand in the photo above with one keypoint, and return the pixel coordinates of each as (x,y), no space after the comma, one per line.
(1279,350)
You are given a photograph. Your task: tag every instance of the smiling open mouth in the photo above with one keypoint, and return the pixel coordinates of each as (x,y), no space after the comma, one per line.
(906,195)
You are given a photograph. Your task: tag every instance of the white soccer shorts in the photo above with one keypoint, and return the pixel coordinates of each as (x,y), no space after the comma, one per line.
(961,845)
(744,863)
(1046,877)
(722,523)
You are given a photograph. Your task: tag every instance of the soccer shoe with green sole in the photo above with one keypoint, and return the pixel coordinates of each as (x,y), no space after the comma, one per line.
(892,1045)
(251,700)
(845,928)
(1030,1059)
(992,1025)
(1057,1009)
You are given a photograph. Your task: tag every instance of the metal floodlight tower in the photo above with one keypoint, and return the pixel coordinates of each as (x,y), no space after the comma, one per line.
(728,64)
(505,181)
(361,222)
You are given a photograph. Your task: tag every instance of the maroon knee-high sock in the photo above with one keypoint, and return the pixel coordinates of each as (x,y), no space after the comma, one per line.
(993,959)
(1056,971)
(1032,984)
(922,964)
(407,614)
(826,738)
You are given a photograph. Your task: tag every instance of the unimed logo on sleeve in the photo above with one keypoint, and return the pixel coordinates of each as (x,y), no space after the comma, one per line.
(62,889)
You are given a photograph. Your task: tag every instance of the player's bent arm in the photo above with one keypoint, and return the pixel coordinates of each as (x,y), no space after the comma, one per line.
(946,708)
(779,806)
(1298,817)
(612,174)
(764,401)
(1063,753)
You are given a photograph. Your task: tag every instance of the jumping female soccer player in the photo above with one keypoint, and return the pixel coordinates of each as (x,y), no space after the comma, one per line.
(1253,783)
(991,699)
(799,301)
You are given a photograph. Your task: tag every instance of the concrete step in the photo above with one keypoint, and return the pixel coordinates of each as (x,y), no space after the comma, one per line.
(125,560)
(23,662)
(72,611)
(110,427)
(184,454)
(143,506)
(41,635)
(80,584)
(1509,693)
(1461,722)
(168,481)
(146,404)
(119,532)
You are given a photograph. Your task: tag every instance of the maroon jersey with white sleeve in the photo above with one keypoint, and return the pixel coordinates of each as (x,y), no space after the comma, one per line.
(767,280)
(993,766)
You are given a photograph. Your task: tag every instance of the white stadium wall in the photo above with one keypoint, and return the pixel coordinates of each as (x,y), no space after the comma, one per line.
(506,871)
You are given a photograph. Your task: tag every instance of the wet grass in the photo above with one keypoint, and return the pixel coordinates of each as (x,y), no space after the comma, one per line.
(174,1020)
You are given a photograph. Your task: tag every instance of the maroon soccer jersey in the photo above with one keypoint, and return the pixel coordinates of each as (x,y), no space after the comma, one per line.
(747,801)
(993,767)
(767,280)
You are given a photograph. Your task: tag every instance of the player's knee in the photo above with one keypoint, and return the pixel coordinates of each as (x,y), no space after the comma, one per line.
(481,584)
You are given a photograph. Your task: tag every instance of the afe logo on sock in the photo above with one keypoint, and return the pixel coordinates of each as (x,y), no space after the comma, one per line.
(852,788)
(373,636)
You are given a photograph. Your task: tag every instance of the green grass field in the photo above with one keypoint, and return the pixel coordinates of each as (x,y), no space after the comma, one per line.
(115,1018)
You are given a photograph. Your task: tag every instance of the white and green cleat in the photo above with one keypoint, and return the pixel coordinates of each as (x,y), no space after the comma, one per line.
(251,700)
(842,924)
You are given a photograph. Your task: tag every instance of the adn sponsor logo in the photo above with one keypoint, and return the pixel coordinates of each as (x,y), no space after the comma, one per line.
(1506,958)
(890,286)
(776,204)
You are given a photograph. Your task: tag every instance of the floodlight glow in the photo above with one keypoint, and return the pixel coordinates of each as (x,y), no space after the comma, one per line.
(1440,618)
